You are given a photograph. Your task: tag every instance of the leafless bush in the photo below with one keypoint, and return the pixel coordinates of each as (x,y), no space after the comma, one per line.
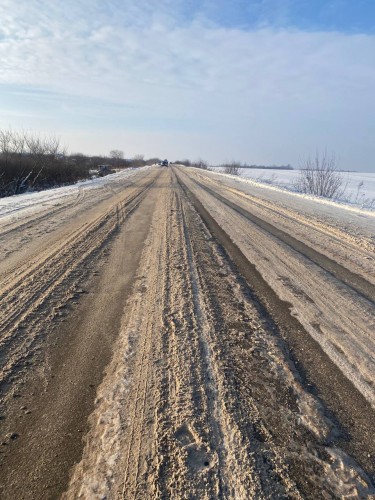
(29,161)
(233,168)
(152,161)
(138,161)
(200,164)
(360,198)
(319,176)
(185,163)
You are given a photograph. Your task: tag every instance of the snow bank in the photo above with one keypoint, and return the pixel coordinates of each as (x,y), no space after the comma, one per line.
(359,186)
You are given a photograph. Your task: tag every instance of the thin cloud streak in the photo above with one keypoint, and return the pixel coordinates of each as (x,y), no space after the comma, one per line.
(157,65)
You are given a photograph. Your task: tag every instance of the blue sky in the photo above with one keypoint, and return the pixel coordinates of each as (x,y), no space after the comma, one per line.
(262,81)
(351,16)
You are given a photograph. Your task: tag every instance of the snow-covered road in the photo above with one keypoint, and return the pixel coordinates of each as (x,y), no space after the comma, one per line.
(210,337)
(317,257)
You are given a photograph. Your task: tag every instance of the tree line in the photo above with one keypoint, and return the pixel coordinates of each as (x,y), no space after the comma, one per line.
(29,161)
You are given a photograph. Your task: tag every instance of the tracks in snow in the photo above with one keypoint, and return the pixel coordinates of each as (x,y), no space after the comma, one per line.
(357,283)
(334,305)
(202,399)
(38,292)
(211,391)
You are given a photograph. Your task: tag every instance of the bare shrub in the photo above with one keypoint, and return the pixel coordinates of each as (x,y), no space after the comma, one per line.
(29,161)
(185,163)
(233,168)
(152,161)
(319,176)
(136,161)
(200,164)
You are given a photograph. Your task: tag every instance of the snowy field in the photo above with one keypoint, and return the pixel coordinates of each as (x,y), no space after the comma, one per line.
(359,186)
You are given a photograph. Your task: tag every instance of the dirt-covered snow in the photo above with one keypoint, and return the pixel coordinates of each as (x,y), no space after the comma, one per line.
(175,333)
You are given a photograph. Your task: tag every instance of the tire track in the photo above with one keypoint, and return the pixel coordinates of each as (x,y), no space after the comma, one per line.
(39,293)
(139,401)
(365,245)
(355,282)
(266,412)
(122,448)
(187,439)
(24,233)
(352,412)
(32,219)
(241,470)
(333,313)
(202,398)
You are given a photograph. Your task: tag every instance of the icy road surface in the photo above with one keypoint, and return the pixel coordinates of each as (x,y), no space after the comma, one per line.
(176,333)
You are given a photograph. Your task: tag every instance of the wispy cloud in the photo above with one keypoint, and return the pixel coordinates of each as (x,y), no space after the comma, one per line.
(160,67)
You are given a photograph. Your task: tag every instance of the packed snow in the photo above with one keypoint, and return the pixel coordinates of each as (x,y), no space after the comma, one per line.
(25,204)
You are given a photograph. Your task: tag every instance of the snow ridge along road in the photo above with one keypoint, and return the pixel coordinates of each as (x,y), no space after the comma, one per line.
(212,355)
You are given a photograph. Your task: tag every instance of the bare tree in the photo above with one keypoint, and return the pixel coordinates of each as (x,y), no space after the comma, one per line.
(233,168)
(200,164)
(117,155)
(319,176)
(5,145)
(41,149)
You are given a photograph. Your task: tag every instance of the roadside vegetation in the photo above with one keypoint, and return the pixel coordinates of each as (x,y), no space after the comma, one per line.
(320,176)
(204,165)
(28,161)
(32,162)
(233,168)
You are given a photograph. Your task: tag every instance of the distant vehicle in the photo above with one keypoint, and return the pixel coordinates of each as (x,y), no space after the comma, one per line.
(104,170)
(165,163)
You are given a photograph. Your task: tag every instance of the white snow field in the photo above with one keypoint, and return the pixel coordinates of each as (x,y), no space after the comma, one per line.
(359,187)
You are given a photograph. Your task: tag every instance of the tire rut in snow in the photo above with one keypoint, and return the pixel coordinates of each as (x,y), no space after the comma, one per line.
(35,295)
(359,285)
(347,407)
(334,314)
(201,399)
